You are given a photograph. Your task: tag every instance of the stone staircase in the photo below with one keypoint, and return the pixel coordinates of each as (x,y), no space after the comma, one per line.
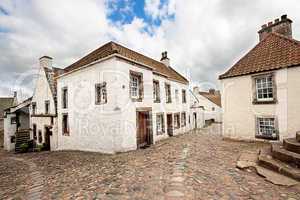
(22,136)
(282,158)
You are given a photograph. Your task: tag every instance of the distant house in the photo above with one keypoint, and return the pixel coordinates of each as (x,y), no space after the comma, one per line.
(211,102)
(260,93)
(5,102)
(17,125)
(112,100)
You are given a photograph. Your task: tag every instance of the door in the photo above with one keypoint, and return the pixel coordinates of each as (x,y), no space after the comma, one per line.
(195,120)
(143,137)
(170,124)
(47,139)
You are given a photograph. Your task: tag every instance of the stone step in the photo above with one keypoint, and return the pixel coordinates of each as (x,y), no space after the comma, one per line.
(266,160)
(298,136)
(292,145)
(279,153)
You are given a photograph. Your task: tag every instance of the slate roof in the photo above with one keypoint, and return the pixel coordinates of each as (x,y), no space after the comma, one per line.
(114,48)
(274,52)
(5,102)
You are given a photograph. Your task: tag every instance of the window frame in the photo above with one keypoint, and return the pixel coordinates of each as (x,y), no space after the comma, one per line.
(64,97)
(40,136)
(33,108)
(99,87)
(65,130)
(13,120)
(177,122)
(256,98)
(168,93)
(156,91)
(183,119)
(47,109)
(260,135)
(140,87)
(160,131)
(183,93)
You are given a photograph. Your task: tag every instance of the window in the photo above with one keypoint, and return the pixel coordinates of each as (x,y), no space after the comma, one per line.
(47,106)
(34,131)
(266,128)
(156,91)
(176,120)
(33,105)
(13,120)
(101,93)
(40,136)
(136,86)
(213,108)
(183,119)
(177,96)
(183,96)
(264,89)
(65,97)
(65,124)
(13,139)
(168,93)
(160,124)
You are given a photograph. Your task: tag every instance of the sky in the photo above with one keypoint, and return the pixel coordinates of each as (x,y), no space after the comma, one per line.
(203,37)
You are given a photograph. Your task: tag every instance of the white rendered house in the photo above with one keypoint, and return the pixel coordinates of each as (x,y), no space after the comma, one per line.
(260,93)
(112,100)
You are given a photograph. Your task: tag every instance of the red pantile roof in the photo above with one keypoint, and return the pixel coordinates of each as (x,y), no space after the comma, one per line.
(114,48)
(274,52)
(215,98)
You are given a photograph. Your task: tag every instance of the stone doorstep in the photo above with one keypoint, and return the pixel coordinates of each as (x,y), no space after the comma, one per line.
(292,145)
(265,160)
(284,155)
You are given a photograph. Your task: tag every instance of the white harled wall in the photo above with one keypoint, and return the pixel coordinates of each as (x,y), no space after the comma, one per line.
(239,112)
(110,127)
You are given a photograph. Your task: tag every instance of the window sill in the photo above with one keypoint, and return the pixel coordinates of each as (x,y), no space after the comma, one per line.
(98,103)
(156,101)
(274,101)
(136,99)
(266,137)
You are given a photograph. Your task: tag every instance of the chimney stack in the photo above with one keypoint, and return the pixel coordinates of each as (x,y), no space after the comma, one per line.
(46,62)
(164,58)
(282,26)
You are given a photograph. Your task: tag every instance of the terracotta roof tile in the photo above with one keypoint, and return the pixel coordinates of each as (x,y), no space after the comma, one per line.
(114,48)
(215,98)
(274,52)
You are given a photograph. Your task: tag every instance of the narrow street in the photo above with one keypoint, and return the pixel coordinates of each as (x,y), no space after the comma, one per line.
(198,165)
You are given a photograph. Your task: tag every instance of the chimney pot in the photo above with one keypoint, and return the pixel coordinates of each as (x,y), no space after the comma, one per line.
(164,58)
(46,62)
(283,17)
(277,20)
(264,26)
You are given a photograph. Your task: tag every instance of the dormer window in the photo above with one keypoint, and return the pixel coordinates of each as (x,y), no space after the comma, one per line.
(264,89)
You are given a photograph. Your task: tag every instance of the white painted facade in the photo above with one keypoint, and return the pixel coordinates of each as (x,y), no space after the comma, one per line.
(240,113)
(112,127)
(42,120)
(9,132)
(212,111)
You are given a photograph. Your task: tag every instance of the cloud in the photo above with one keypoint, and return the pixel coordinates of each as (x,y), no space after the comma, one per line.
(203,38)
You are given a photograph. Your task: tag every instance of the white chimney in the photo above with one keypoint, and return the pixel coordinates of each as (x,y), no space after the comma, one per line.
(164,58)
(196,90)
(46,62)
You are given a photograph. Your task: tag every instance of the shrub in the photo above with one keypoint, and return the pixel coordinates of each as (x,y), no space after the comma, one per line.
(24,147)
(39,147)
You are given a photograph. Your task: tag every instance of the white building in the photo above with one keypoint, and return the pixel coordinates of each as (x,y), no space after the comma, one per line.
(260,93)
(211,102)
(112,100)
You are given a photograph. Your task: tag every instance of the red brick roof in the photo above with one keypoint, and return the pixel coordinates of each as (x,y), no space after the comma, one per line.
(274,52)
(114,48)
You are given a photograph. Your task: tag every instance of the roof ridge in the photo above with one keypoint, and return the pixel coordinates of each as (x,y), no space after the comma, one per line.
(285,37)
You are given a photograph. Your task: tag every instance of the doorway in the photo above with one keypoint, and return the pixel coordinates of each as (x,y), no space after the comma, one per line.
(170,124)
(144,130)
(195,120)
(48,133)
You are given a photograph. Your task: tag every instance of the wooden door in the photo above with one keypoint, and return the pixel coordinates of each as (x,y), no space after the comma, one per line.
(142,137)
(47,139)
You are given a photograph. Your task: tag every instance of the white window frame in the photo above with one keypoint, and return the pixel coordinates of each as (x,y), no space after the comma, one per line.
(156,91)
(177,95)
(101,93)
(265,88)
(160,124)
(267,127)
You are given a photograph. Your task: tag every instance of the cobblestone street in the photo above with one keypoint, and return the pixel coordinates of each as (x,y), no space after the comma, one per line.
(198,165)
